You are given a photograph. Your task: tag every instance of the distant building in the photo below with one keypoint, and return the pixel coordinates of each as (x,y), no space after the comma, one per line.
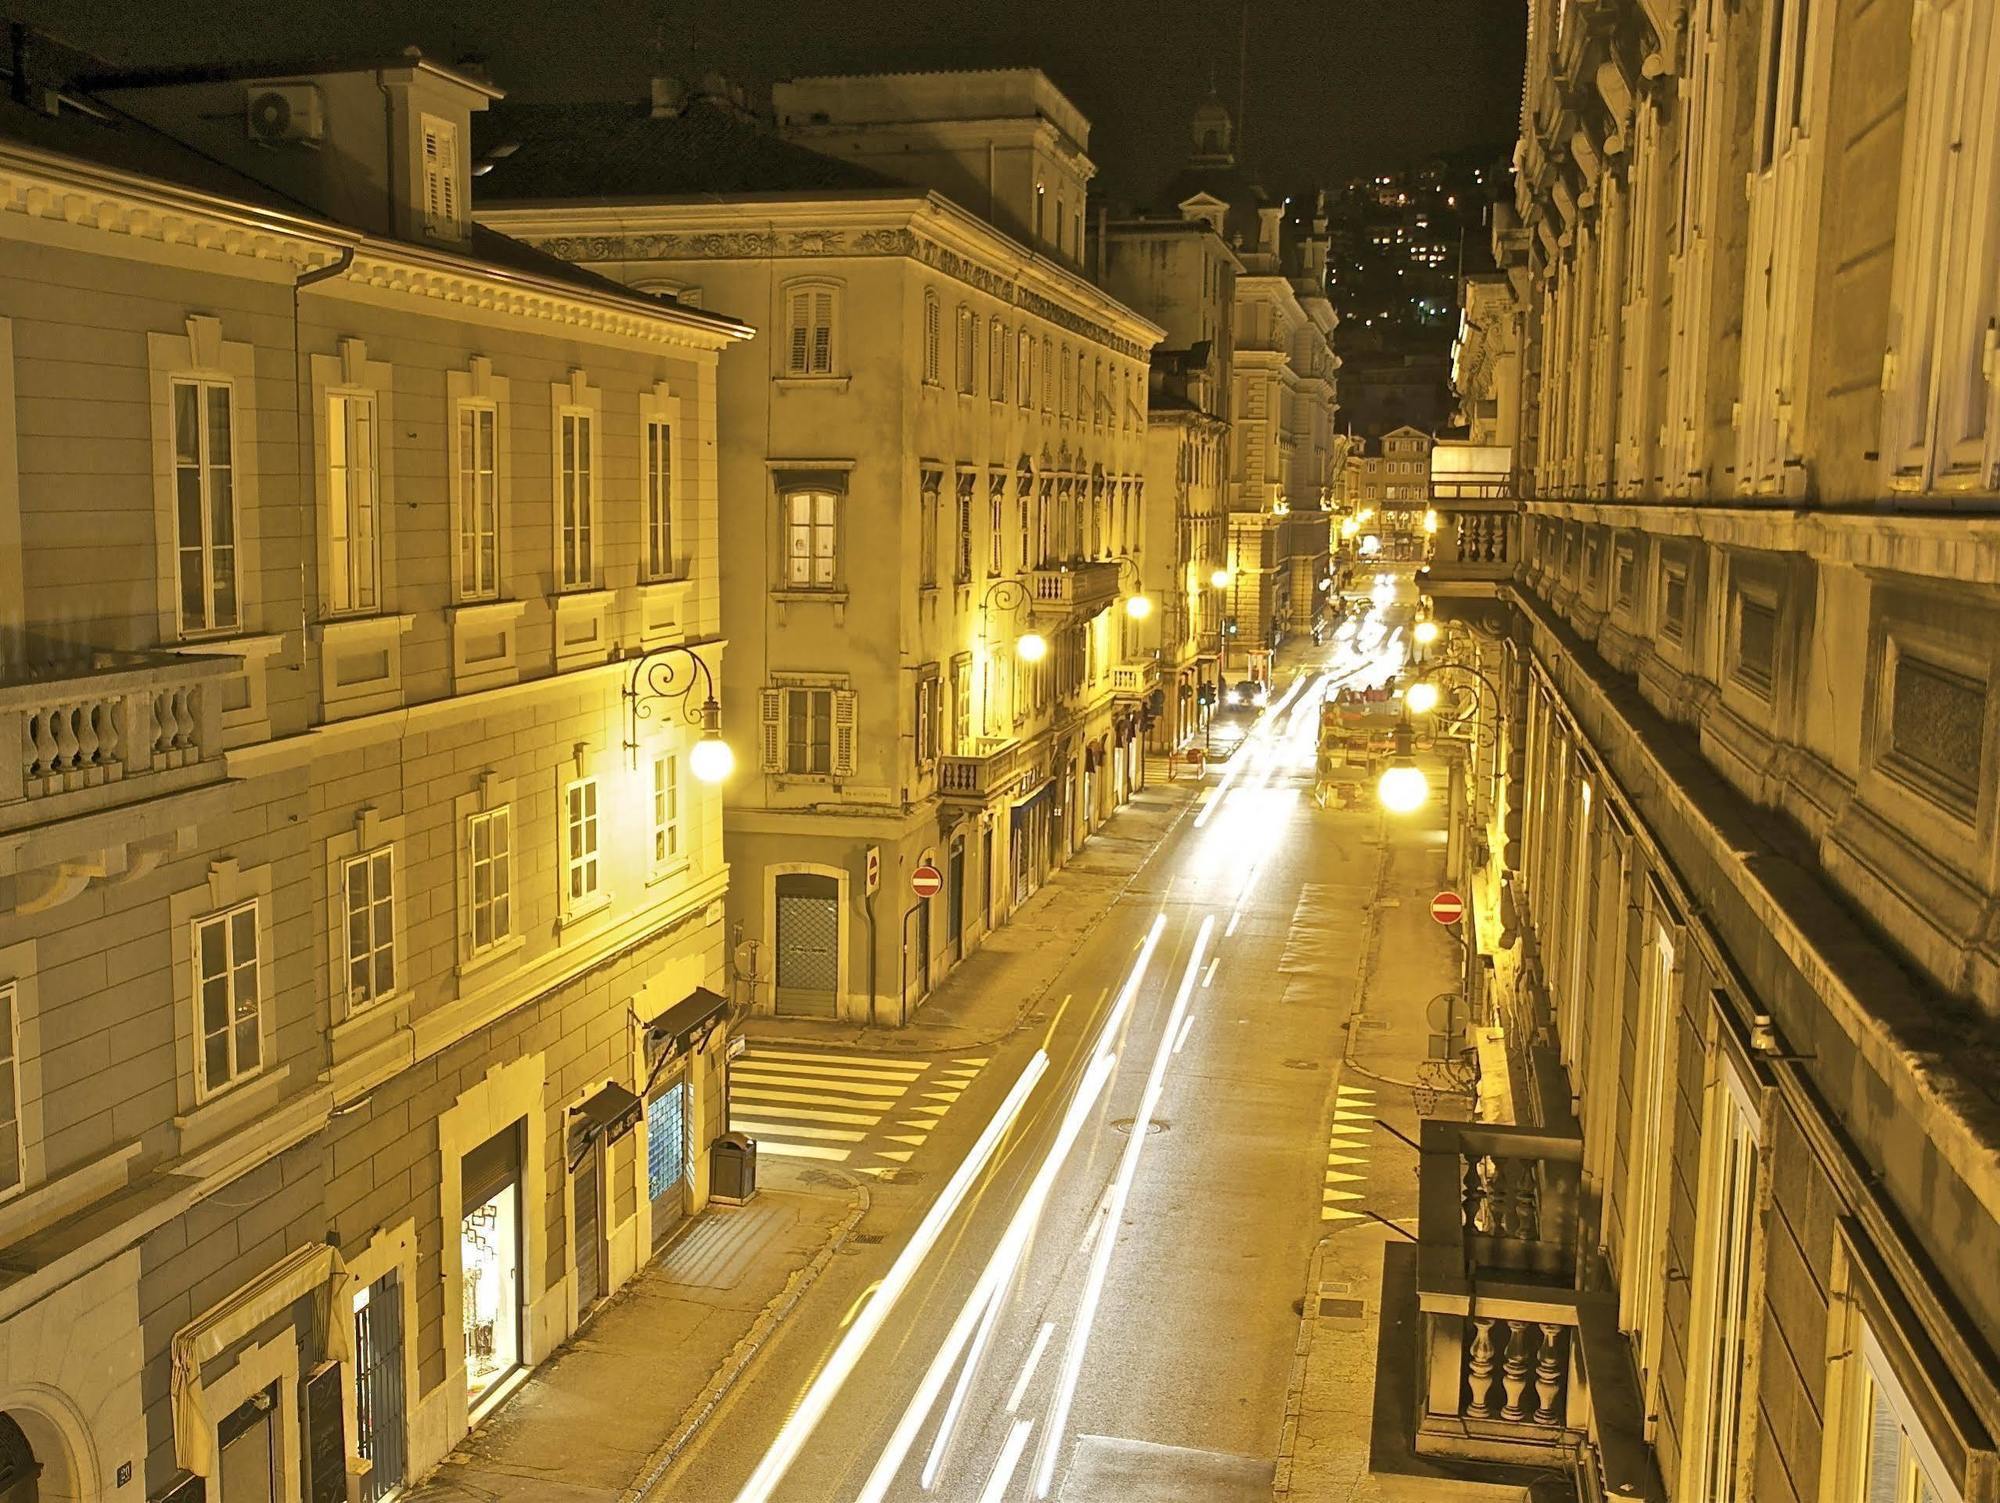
(1391,477)
(360,951)
(937,465)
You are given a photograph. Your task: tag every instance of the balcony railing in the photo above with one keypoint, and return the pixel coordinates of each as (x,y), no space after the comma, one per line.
(1079,588)
(1478,544)
(1520,1366)
(978,777)
(1135,680)
(106,736)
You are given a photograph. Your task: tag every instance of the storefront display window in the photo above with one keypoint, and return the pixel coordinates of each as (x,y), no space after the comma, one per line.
(490,1250)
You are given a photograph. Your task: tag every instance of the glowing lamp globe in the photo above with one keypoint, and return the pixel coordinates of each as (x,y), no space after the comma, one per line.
(1421,697)
(1220,579)
(1033,647)
(1403,788)
(711,760)
(1139,607)
(1426,632)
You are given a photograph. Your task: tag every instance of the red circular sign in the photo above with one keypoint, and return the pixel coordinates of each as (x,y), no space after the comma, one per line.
(1447,908)
(927,881)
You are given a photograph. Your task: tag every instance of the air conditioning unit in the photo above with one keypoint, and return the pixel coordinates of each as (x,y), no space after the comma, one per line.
(280,114)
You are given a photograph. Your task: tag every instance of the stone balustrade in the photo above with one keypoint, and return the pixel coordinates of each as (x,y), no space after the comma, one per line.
(1477,546)
(979,776)
(109,735)
(1081,588)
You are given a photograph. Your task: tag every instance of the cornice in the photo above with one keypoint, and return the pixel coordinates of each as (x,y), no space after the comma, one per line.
(926,229)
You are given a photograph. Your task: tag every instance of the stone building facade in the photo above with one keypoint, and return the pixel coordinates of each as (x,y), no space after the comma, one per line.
(1739,617)
(939,457)
(356,941)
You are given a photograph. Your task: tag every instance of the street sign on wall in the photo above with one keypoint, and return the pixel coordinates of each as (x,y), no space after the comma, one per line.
(1447,908)
(927,881)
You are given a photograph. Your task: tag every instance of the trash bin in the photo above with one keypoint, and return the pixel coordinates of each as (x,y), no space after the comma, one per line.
(732,1173)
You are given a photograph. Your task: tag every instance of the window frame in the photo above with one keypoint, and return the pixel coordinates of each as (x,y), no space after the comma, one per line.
(467,482)
(12,996)
(967,489)
(658,459)
(814,529)
(667,803)
(347,554)
(224,917)
(381,859)
(582,846)
(499,896)
(811,350)
(575,498)
(796,750)
(932,336)
(441,198)
(966,351)
(999,350)
(202,385)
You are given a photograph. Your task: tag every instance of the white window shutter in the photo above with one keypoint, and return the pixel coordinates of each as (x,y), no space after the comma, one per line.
(795,359)
(843,733)
(822,334)
(771,714)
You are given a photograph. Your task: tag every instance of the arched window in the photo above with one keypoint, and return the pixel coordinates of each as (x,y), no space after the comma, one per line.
(996,361)
(1049,373)
(932,334)
(1062,402)
(811,309)
(1024,378)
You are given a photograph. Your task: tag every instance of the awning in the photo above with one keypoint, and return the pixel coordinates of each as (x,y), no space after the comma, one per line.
(677,1026)
(610,1114)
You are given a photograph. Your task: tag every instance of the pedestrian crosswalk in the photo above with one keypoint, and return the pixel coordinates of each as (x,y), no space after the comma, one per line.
(868,1112)
(1346,1181)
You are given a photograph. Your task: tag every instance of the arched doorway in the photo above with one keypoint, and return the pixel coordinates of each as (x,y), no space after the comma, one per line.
(20,1472)
(807,938)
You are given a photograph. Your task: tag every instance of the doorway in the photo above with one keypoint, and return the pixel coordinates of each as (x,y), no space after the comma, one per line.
(955,896)
(916,954)
(587,1193)
(489,1242)
(808,943)
(667,1157)
(380,1434)
(247,1468)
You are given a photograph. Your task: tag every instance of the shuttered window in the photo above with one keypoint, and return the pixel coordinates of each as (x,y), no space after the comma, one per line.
(808,731)
(442,208)
(810,311)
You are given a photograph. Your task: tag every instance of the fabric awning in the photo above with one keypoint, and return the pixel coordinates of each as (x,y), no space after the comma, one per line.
(612,1111)
(687,1017)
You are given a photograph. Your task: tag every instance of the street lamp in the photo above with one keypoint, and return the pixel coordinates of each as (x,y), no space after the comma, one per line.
(1031,647)
(1012,595)
(1402,788)
(1421,697)
(1220,579)
(673,674)
(1138,605)
(1425,632)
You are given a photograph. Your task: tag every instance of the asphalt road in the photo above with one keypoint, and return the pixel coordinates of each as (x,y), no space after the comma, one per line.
(1084,1287)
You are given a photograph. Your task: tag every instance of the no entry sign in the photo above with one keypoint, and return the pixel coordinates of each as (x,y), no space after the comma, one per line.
(1447,908)
(926,881)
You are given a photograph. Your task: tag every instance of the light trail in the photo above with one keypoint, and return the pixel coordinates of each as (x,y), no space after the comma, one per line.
(1010,1457)
(820,1394)
(1028,1369)
(1121,1185)
(1186,1029)
(1238,762)
(1208,976)
(965,1374)
(1000,1266)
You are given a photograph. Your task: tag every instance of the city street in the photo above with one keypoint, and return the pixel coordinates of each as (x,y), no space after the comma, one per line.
(1085,1283)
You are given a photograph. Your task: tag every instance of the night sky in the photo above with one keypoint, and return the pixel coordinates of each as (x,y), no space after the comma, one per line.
(1336,87)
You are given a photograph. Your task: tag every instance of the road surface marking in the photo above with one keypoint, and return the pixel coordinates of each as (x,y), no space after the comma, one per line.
(1028,1371)
(900,1155)
(1208,975)
(887,1072)
(831,1084)
(801,1150)
(1010,1458)
(1347,1143)
(1186,1029)
(796,1103)
(879,1061)
(831,1134)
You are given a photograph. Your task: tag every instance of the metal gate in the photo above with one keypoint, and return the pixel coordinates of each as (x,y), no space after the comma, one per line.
(808,935)
(589,1192)
(378,1385)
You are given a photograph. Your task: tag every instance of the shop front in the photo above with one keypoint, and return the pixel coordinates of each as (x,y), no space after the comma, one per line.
(490,1260)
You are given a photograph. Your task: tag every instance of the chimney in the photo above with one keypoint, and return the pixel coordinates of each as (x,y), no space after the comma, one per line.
(1268,219)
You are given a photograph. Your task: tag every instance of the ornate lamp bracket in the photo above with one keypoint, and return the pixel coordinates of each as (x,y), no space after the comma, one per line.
(669,676)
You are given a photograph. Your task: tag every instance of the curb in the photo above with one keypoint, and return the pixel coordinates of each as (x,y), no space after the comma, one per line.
(768,1320)
(1295,1386)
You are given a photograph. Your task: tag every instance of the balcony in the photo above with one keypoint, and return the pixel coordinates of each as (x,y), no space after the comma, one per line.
(1516,1365)
(978,778)
(108,736)
(1080,588)
(1135,681)
(1477,547)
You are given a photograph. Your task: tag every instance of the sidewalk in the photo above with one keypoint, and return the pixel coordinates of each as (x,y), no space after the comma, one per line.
(646,1370)
(1002,984)
(1350,1395)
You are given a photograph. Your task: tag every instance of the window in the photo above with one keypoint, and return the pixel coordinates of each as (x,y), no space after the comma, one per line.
(441,194)
(478,502)
(368,885)
(968,349)
(809,540)
(1727,1223)
(1084,398)
(10,1088)
(961,705)
(580,846)
(1892,1459)
(809,732)
(925,725)
(666,810)
(1941,374)
(489,846)
(1049,375)
(809,314)
(1644,1252)
(1935,730)
(932,318)
(577,499)
(352,552)
(961,568)
(927,528)
(1024,377)
(205,505)
(1756,644)
(659,500)
(996,360)
(228,998)
(1062,401)
(996,538)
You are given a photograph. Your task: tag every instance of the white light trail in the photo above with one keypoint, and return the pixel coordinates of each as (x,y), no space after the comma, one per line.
(1000,1266)
(965,1374)
(1121,1186)
(1186,1029)
(1010,1457)
(1028,1370)
(1208,975)
(819,1395)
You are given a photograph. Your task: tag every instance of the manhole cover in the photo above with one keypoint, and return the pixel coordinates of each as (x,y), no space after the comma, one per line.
(1153,1128)
(1297,1064)
(1341,1309)
(867,1239)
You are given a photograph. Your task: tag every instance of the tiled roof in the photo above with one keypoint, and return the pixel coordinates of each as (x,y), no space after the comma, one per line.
(621,151)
